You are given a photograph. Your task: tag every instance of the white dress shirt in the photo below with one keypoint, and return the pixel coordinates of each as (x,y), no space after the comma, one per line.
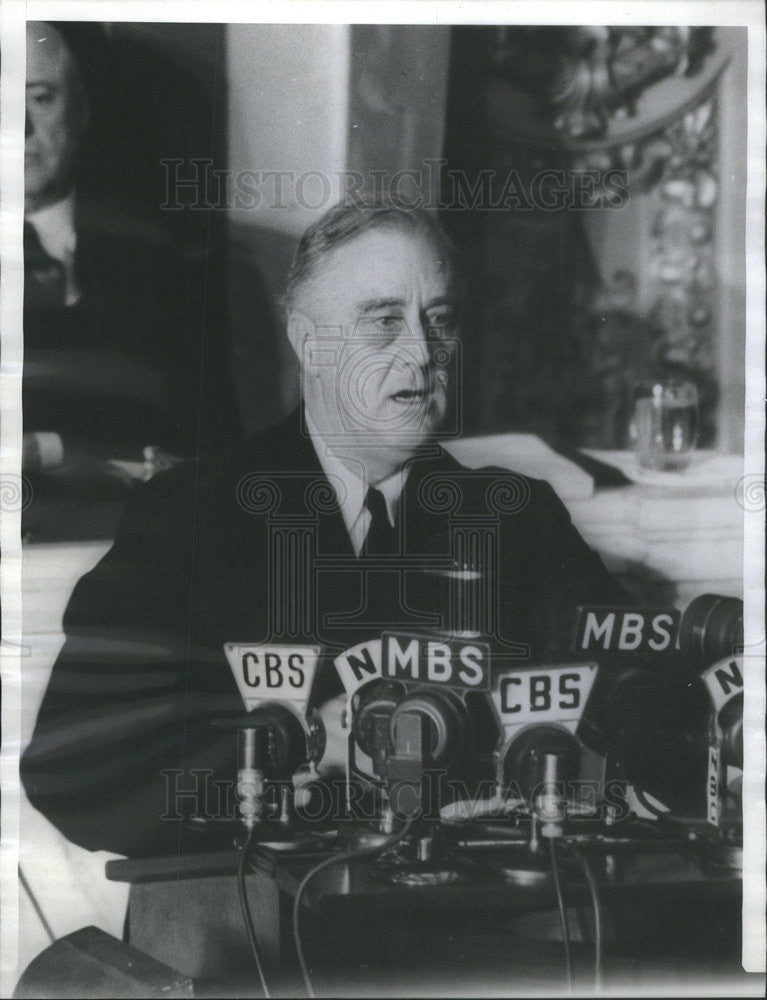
(55,228)
(351,490)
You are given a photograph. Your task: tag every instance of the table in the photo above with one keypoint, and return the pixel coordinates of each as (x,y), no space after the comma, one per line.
(663,912)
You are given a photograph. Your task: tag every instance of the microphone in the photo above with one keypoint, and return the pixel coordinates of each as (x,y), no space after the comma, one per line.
(710,629)
(662,728)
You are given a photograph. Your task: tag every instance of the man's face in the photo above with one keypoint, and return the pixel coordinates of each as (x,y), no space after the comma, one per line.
(56,117)
(375,328)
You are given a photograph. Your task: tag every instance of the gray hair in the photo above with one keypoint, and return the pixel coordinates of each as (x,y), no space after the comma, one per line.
(353,217)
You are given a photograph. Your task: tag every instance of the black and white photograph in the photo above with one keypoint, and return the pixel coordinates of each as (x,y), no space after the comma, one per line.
(382,499)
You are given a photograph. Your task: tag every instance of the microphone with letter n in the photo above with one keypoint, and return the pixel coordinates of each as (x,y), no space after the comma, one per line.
(667,712)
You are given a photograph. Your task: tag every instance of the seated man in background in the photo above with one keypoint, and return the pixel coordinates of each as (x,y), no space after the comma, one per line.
(205,555)
(114,358)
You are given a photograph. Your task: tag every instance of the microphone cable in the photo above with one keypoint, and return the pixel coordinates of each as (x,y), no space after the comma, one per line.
(562,915)
(36,905)
(643,799)
(596,904)
(246,914)
(335,859)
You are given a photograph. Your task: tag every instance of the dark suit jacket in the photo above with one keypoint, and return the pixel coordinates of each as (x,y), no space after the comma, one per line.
(141,358)
(206,555)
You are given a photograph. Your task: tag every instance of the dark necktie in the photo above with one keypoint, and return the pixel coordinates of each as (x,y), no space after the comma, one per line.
(45,278)
(381,538)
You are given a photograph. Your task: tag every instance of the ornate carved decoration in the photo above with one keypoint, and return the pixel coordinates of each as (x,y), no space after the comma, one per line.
(682,266)
(608,68)
(641,101)
(607,98)
(676,335)
(585,79)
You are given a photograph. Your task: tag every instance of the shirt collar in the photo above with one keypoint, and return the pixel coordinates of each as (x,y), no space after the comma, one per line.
(351,489)
(55,227)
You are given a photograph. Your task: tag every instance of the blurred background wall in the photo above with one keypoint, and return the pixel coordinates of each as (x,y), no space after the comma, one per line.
(572,304)
(247,132)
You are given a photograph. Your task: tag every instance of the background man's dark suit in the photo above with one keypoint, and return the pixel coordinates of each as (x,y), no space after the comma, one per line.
(131,363)
(125,325)
(143,669)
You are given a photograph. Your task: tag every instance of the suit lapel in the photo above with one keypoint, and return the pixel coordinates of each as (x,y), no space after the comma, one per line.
(301,487)
(425,522)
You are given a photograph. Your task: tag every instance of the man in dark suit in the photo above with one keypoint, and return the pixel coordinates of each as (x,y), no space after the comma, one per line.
(117,353)
(342,521)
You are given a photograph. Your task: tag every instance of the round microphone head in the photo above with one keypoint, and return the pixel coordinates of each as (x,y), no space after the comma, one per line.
(372,706)
(731,723)
(712,628)
(447,724)
(286,743)
(277,736)
(525,759)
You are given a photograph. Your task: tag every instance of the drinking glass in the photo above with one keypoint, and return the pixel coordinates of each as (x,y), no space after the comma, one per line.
(665,424)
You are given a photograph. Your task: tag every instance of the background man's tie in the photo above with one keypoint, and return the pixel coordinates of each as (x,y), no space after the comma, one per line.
(381,538)
(46,273)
